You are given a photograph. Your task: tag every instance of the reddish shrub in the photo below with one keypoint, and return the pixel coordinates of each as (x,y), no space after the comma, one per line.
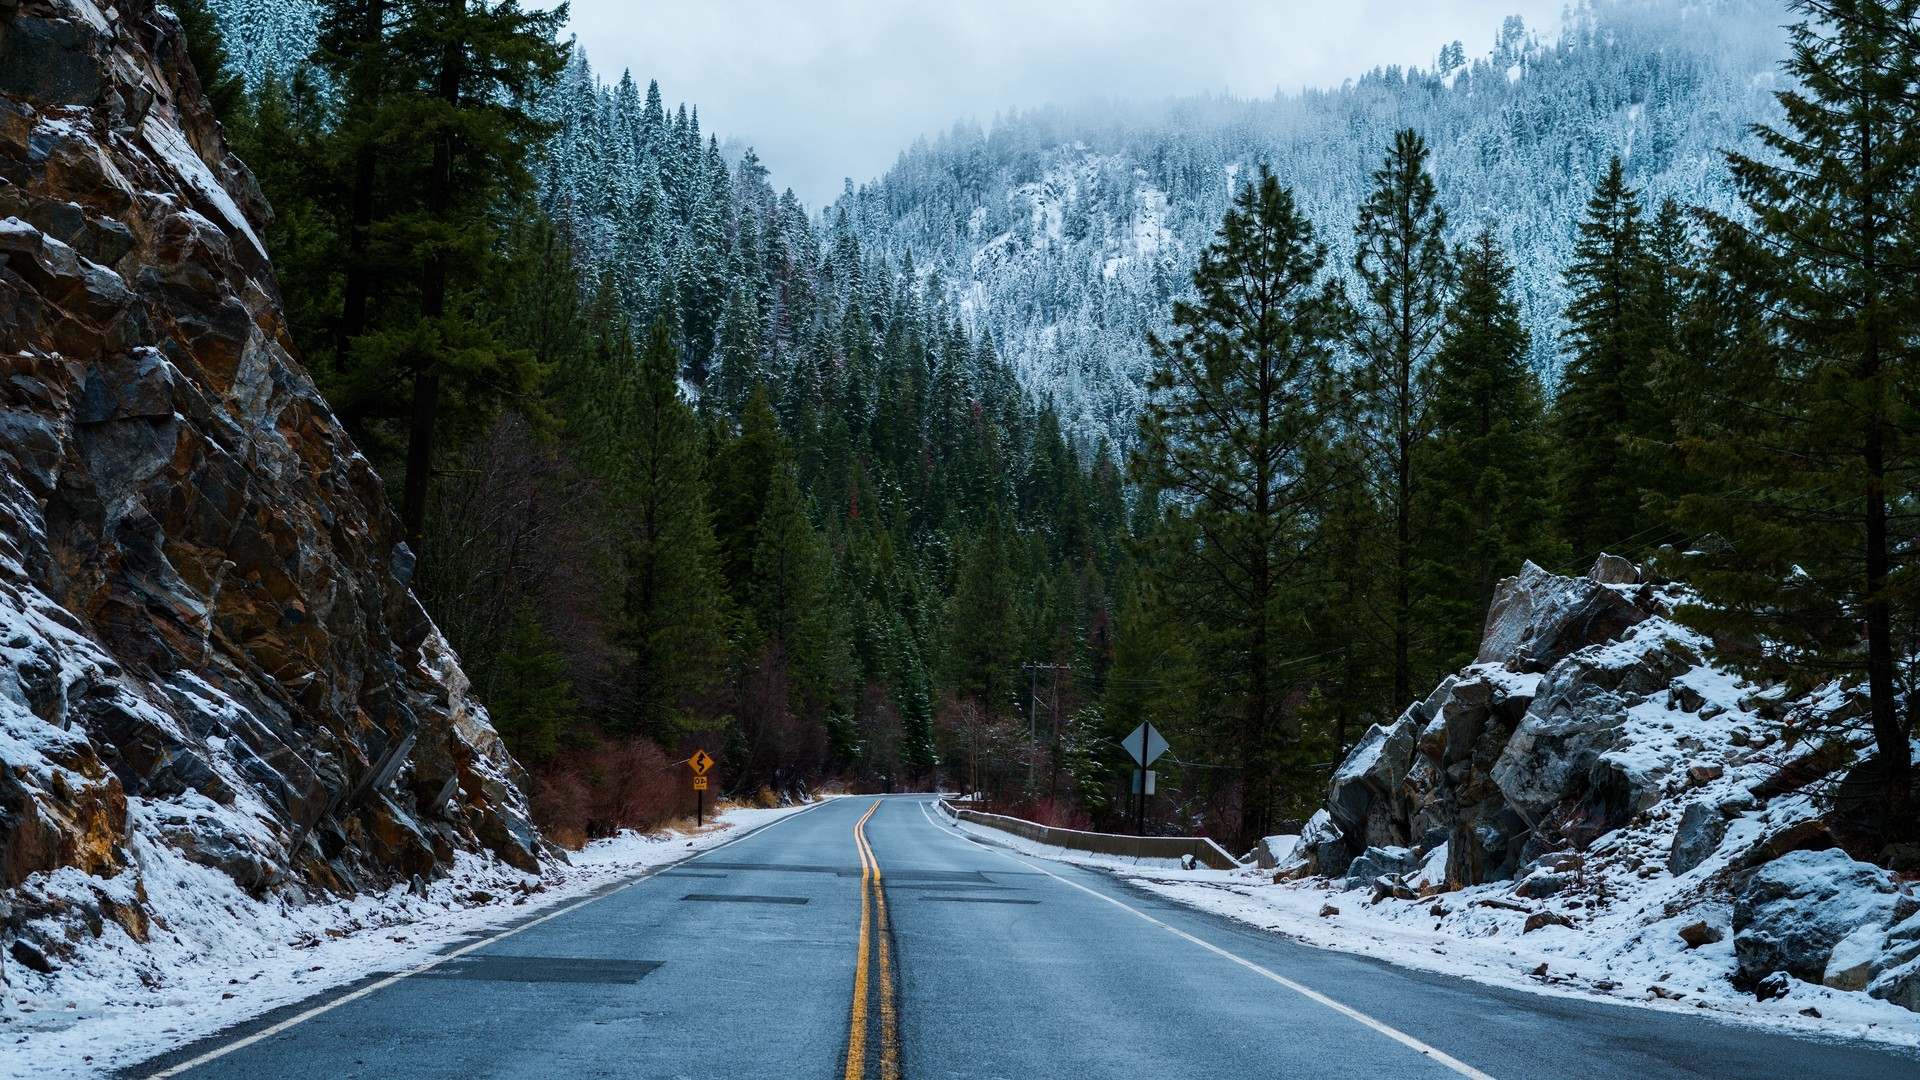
(618,784)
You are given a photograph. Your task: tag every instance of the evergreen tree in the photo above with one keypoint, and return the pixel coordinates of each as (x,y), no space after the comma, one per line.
(742,479)
(790,595)
(1806,422)
(1404,273)
(983,637)
(1483,507)
(1232,433)
(642,439)
(530,700)
(438,126)
(224,89)
(1605,403)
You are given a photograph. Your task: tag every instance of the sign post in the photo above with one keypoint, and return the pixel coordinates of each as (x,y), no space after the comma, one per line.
(700,762)
(1145,743)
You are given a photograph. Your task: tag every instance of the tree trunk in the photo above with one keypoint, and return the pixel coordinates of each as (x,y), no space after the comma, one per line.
(433,306)
(356,285)
(1889,727)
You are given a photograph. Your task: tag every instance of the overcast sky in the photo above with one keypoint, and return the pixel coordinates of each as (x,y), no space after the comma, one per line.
(828,89)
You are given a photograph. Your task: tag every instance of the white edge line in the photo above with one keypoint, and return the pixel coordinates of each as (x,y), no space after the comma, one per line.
(223,1050)
(1438,1055)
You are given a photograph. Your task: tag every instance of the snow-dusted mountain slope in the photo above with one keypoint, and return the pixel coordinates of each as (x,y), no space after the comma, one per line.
(1067,234)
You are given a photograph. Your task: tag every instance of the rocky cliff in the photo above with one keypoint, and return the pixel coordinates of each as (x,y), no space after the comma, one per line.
(1595,769)
(206,634)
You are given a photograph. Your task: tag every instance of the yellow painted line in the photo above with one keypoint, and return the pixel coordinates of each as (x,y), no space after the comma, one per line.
(874,935)
(857,1022)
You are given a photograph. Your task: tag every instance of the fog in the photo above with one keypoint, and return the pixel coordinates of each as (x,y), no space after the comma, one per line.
(832,89)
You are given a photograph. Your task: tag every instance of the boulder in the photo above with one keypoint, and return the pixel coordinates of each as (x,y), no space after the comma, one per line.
(1697,934)
(1378,862)
(1901,986)
(1325,846)
(1613,570)
(1539,618)
(1367,794)
(1790,913)
(1273,851)
(1556,761)
(1857,958)
(1702,827)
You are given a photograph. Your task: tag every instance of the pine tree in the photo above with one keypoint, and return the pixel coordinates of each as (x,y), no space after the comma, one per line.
(983,639)
(742,477)
(1604,402)
(1805,419)
(790,595)
(1483,509)
(1235,420)
(437,125)
(1404,272)
(641,438)
(529,699)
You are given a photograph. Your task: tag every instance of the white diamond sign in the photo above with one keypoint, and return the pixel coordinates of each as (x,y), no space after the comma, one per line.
(1145,744)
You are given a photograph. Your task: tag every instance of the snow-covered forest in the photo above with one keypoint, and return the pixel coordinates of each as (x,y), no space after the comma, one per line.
(1066,233)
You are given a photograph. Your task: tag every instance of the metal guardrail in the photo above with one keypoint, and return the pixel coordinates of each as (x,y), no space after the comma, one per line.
(1203,849)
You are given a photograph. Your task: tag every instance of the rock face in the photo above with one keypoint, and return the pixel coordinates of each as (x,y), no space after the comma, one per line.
(204,602)
(1517,744)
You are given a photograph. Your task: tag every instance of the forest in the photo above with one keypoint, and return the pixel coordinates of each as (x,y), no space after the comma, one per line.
(688,466)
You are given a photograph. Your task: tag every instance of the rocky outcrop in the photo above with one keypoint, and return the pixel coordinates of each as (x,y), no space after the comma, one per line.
(1516,747)
(204,603)
(1593,752)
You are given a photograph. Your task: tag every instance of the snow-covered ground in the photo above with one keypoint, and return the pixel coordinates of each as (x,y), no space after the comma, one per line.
(1619,956)
(229,958)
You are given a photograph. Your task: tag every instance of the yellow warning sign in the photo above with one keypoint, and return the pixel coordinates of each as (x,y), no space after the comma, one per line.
(699,783)
(700,762)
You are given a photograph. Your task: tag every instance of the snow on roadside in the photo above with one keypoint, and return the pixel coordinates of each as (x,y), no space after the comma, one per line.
(224,957)
(1619,957)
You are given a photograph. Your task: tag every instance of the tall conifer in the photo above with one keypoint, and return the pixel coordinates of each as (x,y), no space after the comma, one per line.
(1806,418)
(1232,432)
(1404,270)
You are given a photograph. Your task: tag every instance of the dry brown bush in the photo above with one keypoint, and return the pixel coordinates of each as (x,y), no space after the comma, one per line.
(625,783)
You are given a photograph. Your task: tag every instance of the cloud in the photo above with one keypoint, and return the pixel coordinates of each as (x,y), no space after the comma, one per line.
(834,89)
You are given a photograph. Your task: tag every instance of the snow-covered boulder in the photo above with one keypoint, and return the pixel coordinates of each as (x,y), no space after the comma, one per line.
(1367,794)
(1274,851)
(1324,845)
(1377,862)
(1792,912)
(1702,827)
(1537,617)
(1555,759)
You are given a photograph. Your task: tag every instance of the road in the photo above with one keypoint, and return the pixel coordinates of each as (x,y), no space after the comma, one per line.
(970,962)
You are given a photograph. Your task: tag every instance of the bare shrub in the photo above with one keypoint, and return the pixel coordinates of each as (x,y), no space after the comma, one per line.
(618,784)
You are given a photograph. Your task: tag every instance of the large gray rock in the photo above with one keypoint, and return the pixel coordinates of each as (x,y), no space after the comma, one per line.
(1378,862)
(1325,846)
(1702,827)
(1554,762)
(1367,794)
(1538,618)
(1791,912)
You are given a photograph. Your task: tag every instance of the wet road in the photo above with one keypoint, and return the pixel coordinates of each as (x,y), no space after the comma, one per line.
(867,938)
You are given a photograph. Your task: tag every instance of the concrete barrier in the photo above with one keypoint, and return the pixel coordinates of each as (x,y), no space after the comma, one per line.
(1204,850)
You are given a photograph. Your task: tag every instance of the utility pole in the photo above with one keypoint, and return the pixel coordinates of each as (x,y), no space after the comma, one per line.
(1033,711)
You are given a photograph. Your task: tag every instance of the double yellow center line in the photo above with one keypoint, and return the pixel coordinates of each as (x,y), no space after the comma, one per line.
(874,935)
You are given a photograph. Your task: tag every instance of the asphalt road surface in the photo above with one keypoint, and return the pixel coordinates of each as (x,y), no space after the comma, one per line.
(867,938)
